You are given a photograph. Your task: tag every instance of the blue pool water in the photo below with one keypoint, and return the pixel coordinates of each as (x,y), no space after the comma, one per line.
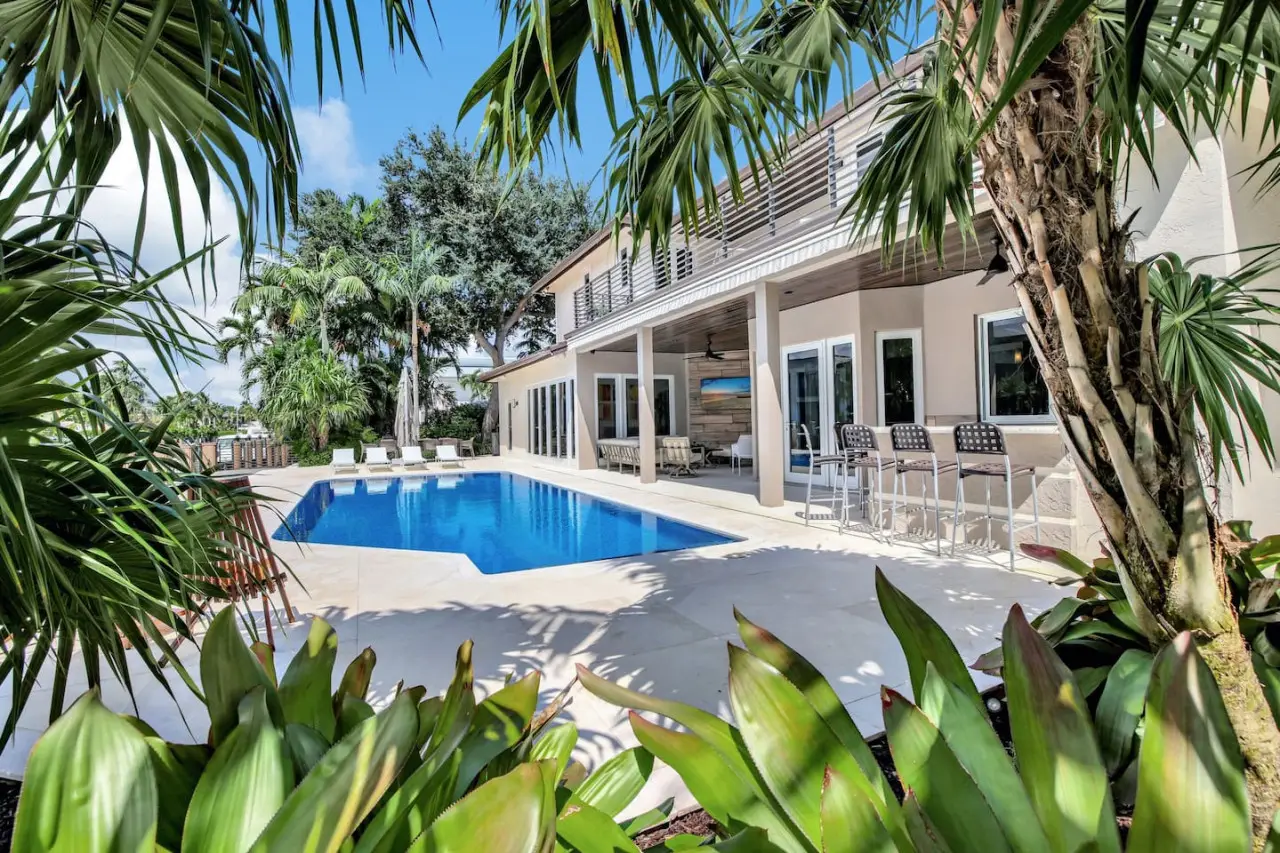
(503,522)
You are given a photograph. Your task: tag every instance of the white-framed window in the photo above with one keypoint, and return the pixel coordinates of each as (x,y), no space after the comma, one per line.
(618,405)
(1011,389)
(552,428)
(899,377)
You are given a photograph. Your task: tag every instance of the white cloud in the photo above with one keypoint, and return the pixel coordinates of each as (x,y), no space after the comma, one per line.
(113,209)
(329,155)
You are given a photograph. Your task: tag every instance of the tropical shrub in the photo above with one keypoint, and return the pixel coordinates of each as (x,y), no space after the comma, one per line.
(1100,639)
(796,766)
(465,420)
(313,395)
(293,764)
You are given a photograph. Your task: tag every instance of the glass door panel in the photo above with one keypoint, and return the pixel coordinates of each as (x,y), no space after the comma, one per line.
(661,406)
(633,408)
(804,405)
(844,384)
(606,408)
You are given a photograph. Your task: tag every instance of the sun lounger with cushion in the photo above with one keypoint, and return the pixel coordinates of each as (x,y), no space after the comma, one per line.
(376,457)
(344,459)
(411,457)
(448,454)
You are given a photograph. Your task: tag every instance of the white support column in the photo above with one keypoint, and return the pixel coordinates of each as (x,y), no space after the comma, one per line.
(648,438)
(767,393)
(583,409)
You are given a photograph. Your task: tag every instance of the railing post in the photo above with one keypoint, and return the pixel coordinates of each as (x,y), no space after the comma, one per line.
(832,166)
(773,212)
(237,455)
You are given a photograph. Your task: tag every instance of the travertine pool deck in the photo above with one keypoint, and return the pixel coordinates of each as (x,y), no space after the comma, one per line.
(657,623)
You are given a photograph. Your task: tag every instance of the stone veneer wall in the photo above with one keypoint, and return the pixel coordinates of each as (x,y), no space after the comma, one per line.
(719,427)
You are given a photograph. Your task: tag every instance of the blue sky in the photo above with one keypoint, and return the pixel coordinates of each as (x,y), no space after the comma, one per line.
(344,137)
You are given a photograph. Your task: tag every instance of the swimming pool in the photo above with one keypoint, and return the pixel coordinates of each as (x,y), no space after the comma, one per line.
(503,522)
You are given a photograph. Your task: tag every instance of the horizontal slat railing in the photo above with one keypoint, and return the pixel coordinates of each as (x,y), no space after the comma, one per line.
(809,191)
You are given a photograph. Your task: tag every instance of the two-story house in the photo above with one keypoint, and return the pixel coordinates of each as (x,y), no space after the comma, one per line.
(778,318)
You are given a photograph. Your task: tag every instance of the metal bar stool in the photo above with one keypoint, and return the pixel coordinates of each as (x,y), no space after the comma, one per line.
(987,439)
(915,439)
(819,463)
(862,450)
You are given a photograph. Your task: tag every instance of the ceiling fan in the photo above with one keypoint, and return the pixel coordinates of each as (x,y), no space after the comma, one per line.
(712,354)
(998,264)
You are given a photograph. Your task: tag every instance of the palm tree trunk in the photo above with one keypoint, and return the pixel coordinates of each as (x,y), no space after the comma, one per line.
(413,335)
(1091,319)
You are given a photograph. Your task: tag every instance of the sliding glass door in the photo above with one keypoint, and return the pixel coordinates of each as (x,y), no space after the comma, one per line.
(552,428)
(819,391)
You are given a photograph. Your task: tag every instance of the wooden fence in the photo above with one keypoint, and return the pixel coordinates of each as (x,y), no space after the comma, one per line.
(237,454)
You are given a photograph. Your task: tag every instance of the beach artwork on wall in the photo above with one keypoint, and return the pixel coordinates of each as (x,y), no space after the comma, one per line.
(726,392)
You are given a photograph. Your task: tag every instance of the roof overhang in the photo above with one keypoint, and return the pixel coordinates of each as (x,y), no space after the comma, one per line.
(521,363)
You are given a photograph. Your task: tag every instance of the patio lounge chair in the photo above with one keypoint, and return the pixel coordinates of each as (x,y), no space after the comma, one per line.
(376,457)
(677,457)
(448,454)
(344,459)
(411,457)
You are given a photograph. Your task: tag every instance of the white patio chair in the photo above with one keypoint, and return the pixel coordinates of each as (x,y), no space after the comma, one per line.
(411,457)
(448,455)
(344,459)
(743,448)
(376,457)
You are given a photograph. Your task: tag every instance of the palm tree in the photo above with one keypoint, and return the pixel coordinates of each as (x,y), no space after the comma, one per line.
(307,293)
(248,333)
(1054,99)
(108,533)
(412,278)
(314,395)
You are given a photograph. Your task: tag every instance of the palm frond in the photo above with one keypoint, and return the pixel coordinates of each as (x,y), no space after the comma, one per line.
(1209,350)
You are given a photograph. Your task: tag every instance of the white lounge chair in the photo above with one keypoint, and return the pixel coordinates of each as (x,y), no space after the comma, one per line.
(411,457)
(376,457)
(448,454)
(344,459)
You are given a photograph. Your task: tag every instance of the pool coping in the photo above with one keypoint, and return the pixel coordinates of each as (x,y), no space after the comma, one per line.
(730,538)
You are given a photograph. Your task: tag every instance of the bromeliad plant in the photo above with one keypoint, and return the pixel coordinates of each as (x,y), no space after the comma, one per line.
(291,764)
(796,766)
(1102,642)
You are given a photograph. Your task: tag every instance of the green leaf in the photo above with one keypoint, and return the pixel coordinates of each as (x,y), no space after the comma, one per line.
(1059,557)
(332,800)
(228,672)
(354,712)
(415,802)
(246,782)
(1269,677)
(586,830)
(1120,707)
(355,679)
(499,723)
(750,840)
(849,820)
(930,770)
(774,718)
(514,813)
(557,745)
(89,786)
(1057,753)
(979,750)
(306,747)
(178,767)
(617,782)
(925,837)
(730,800)
(638,824)
(923,642)
(818,691)
(305,689)
(1191,788)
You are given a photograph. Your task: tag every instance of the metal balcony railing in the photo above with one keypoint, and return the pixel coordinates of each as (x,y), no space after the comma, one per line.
(808,191)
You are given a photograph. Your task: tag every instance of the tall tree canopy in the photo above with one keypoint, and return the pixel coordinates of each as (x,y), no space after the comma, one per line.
(496,246)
